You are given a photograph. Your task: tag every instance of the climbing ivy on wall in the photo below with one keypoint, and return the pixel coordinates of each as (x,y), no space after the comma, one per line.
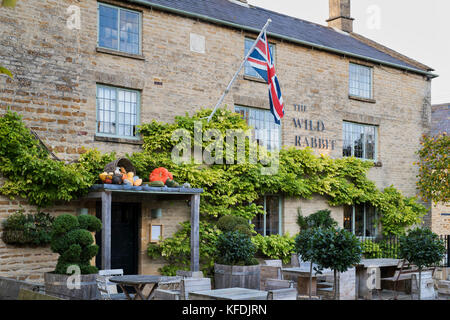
(228,189)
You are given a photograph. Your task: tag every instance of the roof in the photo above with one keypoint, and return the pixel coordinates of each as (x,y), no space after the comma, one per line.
(440,118)
(253,18)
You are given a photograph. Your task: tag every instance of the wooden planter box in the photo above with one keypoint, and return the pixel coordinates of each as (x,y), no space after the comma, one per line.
(56,285)
(226,276)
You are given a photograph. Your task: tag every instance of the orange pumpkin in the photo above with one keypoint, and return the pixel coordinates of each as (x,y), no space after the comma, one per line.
(160,174)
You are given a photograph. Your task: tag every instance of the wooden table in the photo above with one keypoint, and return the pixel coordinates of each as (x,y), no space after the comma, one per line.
(375,269)
(301,277)
(229,294)
(139,282)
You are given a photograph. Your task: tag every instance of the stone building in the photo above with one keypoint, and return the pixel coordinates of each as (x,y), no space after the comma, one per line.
(81,82)
(440,212)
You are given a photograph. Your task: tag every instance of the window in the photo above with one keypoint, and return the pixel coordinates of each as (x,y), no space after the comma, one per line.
(117,111)
(360,220)
(248,69)
(360,81)
(269,223)
(360,141)
(266,132)
(119,29)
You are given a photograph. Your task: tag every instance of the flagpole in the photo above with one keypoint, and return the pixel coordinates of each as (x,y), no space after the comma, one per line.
(239,70)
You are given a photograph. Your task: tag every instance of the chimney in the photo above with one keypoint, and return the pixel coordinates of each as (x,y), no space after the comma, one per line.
(340,15)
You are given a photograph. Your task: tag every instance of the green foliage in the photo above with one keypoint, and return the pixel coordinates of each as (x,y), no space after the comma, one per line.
(321,218)
(235,248)
(177,249)
(434,168)
(89,223)
(422,247)
(275,246)
(371,250)
(3,70)
(234,223)
(397,212)
(73,241)
(30,229)
(336,249)
(33,175)
(304,245)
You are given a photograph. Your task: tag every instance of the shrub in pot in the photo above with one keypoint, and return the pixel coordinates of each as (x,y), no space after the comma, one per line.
(423,248)
(236,263)
(73,241)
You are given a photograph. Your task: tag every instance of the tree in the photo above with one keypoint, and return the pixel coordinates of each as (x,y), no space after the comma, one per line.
(434,165)
(422,248)
(303,242)
(336,249)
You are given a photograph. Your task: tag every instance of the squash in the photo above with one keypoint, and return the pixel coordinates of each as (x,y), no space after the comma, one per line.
(172,184)
(130,176)
(117,179)
(103,176)
(138,182)
(160,174)
(156,183)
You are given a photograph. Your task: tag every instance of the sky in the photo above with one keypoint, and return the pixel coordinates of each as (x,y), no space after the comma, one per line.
(416,28)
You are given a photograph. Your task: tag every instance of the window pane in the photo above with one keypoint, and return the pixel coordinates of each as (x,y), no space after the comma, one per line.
(266,132)
(348,218)
(359,220)
(124,103)
(359,140)
(272,215)
(248,69)
(370,221)
(129,32)
(108,22)
(360,81)
(105,110)
(258,220)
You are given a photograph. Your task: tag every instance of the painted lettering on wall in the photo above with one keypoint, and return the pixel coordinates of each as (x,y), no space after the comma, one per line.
(310,125)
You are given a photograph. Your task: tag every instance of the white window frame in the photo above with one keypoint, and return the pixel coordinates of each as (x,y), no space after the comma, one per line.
(359,88)
(118,28)
(365,222)
(138,113)
(272,45)
(375,155)
(264,110)
(280,214)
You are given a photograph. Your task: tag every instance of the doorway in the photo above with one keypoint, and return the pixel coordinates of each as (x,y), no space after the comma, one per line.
(124,236)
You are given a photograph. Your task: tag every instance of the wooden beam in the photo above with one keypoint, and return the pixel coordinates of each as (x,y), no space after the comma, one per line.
(195,232)
(106,230)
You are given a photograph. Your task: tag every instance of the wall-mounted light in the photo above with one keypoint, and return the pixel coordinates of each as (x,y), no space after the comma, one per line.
(156,213)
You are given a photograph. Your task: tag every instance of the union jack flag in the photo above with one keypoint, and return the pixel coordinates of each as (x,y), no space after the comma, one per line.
(261,60)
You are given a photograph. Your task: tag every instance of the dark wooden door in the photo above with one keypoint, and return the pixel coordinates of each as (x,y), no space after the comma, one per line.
(124,236)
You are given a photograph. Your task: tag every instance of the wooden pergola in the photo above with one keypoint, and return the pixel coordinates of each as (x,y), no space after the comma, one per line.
(106,193)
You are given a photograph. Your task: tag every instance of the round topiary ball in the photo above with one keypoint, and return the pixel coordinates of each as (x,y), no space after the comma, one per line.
(89,222)
(65,223)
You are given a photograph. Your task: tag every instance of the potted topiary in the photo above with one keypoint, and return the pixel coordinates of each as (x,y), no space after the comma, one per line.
(74,276)
(423,248)
(236,265)
(336,249)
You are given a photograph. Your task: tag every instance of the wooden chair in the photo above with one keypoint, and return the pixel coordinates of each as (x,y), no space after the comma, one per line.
(405,271)
(108,290)
(187,285)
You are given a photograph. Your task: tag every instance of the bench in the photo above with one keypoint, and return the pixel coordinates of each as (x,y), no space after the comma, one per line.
(405,271)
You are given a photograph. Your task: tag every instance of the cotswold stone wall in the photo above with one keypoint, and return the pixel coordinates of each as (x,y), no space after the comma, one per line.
(57,69)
